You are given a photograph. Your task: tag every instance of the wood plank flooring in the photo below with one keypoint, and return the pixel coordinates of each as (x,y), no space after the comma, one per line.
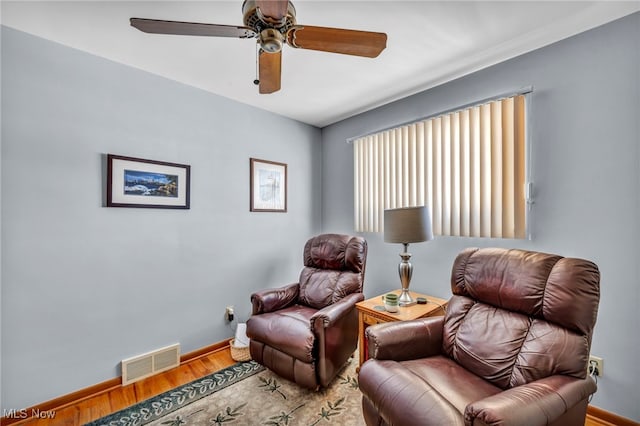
(118,397)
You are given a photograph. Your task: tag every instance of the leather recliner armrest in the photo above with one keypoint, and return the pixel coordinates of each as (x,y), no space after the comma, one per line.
(332,313)
(538,402)
(405,340)
(273,299)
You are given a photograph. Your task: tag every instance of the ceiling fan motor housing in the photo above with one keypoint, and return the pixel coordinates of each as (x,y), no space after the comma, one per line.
(255,19)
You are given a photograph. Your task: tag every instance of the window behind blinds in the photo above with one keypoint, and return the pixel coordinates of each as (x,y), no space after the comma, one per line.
(467,167)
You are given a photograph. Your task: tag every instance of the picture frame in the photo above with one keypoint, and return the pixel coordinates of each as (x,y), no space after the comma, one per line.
(268,183)
(136,182)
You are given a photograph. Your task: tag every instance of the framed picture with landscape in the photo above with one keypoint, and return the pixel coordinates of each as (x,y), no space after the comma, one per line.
(135,182)
(268,186)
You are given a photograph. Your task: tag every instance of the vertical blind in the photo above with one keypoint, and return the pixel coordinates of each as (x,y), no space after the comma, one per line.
(467,167)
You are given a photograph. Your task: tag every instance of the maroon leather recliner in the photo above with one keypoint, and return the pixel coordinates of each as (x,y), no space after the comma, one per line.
(512,349)
(306,331)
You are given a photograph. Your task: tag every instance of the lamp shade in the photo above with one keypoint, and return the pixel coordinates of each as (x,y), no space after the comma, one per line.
(407,225)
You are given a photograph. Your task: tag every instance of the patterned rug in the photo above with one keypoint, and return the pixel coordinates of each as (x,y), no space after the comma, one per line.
(248,394)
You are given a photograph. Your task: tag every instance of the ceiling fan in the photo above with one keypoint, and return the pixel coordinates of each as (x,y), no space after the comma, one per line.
(273,23)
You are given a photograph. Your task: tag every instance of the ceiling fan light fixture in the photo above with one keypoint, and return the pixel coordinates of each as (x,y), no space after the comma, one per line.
(271,40)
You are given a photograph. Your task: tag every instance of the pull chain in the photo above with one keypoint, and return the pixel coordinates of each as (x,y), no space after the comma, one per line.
(257,80)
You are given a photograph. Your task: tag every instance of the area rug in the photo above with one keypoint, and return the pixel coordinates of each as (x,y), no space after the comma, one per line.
(248,394)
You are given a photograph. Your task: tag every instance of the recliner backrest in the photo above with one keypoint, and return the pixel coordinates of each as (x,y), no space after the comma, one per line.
(517,316)
(334,266)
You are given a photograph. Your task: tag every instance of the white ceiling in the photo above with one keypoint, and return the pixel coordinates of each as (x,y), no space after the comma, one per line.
(429,43)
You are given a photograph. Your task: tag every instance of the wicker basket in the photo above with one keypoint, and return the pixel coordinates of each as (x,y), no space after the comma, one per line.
(239,354)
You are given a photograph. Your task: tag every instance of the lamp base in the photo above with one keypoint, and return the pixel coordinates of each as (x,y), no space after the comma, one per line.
(405,298)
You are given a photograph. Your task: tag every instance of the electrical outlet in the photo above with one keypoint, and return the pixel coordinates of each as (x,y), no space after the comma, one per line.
(596,365)
(228,313)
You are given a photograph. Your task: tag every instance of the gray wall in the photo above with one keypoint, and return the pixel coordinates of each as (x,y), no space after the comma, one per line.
(585,167)
(84,286)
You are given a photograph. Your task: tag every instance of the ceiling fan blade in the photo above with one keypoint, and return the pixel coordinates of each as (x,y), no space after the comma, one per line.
(274,9)
(270,69)
(337,40)
(156,26)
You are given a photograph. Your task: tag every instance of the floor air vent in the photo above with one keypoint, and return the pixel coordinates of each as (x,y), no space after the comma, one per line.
(146,365)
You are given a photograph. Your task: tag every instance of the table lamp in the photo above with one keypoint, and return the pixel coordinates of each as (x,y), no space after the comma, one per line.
(406,225)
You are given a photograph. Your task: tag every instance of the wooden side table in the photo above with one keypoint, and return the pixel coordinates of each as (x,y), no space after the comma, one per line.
(371,311)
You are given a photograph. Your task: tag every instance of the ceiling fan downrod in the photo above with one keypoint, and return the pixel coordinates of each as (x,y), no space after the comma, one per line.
(258,19)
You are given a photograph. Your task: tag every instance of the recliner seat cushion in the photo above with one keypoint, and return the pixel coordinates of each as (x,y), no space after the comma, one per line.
(287,330)
(423,390)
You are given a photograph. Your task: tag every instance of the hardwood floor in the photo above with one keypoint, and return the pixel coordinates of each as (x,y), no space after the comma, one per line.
(78,412)
(119,397)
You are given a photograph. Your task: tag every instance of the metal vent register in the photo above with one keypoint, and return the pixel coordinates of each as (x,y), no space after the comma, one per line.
(146,365)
